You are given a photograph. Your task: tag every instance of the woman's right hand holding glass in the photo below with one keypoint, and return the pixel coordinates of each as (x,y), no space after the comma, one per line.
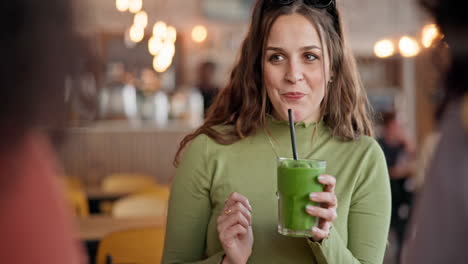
(235,229)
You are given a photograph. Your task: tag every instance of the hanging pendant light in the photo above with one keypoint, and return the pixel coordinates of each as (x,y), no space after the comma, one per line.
(384,48)
(408,46)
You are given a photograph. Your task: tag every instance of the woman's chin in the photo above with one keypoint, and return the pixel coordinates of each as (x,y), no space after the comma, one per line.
(300,116)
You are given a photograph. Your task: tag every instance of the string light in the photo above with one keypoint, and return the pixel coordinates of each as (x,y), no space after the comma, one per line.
(122,5)
(141,19)
(155,45)
(162,44)
(160,30)
(136,33)
(384,48)
(168,49)
(162,62)
(408,47)
(135,6)
(171,34)
(199,33)
(127,41)
(429,34)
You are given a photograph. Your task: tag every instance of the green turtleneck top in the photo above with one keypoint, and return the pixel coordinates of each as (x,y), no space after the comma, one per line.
(210,172)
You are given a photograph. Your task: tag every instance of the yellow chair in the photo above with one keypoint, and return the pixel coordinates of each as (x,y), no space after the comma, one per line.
(75,196)
(73,182)
(139,205)
(126,182)
(79,202)
(142,246)
(157,190)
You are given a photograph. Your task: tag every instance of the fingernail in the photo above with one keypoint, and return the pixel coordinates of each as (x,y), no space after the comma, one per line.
(312,195)
(310,208)
(315,229)
(320,178)
(250,207)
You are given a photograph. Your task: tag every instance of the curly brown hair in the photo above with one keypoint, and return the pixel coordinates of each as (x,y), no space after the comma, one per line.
(244,103)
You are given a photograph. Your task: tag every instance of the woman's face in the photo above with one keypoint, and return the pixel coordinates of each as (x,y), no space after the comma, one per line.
(295,68)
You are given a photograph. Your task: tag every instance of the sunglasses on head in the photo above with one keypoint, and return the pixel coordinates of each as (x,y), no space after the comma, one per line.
(329,5)
(314,3)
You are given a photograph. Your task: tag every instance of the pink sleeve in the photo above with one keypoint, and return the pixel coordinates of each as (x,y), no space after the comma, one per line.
(35,224)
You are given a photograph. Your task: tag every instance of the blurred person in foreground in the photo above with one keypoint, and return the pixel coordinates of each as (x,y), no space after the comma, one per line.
(439,231)
(224,194)
(35,223)
(400,156)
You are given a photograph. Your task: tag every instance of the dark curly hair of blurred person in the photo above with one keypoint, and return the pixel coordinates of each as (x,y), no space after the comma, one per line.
(38,52)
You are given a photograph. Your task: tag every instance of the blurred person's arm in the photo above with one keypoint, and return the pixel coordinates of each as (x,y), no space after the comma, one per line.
(35,224)
(406,165)
(425,157)
(402,170)
(439,232)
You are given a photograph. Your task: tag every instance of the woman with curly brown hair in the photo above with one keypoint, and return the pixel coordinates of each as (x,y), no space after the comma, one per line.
(223,196)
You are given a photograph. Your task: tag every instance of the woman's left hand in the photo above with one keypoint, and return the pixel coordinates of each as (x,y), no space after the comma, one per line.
(327,210)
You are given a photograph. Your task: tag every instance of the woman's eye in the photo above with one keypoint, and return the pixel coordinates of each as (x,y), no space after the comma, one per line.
(276,58)
(310,57)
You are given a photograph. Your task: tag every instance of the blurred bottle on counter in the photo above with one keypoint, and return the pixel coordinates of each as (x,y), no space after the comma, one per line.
(117,100)
(82,87)
(187,105)
(153,101)
(81,97)
(195,107)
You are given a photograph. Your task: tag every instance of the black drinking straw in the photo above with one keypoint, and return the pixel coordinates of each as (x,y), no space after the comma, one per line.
(293,133)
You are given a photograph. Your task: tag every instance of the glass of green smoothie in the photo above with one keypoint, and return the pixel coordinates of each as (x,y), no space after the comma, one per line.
(296,180)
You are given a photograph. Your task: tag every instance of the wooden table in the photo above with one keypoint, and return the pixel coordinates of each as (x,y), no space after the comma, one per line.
(99,194)
(92,229)
(96,227)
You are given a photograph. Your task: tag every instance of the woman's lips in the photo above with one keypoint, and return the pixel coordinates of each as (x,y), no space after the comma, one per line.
(293,96)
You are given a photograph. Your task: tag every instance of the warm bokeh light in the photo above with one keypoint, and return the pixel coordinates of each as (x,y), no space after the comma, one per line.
(135,6)
(127,41)
(122,5)
(141,19)
(384,48)
(155,45)
(199,33)
(160,30)
(168,49)
(136,33)
(171,34)
(408,47)
(429,34)
(162,62)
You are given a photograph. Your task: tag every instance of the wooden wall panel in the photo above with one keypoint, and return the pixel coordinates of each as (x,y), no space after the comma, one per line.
(91,155)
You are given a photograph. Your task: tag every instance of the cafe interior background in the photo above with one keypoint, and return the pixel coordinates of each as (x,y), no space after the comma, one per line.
(137,97)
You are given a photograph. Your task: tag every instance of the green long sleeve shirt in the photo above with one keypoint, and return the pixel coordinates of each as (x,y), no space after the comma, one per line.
(210,172)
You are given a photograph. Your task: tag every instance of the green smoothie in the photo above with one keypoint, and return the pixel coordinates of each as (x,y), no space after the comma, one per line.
(296,180)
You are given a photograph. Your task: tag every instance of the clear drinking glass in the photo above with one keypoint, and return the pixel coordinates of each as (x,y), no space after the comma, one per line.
(296,180)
